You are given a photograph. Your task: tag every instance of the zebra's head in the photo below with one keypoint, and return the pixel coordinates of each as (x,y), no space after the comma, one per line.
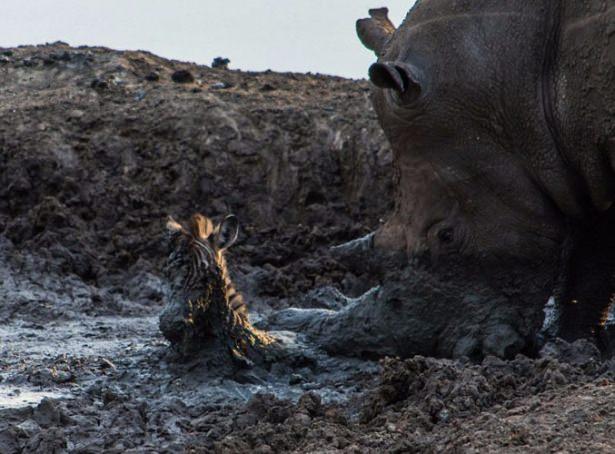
(197,250)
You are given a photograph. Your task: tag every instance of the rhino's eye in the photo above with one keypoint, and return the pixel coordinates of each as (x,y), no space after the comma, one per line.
(446,235)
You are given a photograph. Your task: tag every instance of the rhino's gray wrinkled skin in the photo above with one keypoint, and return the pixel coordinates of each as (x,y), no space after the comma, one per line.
(501,118)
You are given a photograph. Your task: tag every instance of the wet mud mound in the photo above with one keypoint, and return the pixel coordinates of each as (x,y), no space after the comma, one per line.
(430,405)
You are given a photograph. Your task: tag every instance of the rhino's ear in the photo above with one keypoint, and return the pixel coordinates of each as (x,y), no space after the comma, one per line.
(227,233)
(375,31)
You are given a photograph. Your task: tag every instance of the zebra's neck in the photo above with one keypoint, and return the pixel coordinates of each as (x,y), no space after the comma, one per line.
(233,297)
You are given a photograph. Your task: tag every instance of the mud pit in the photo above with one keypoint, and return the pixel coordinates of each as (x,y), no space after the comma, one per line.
(123,392)
(96,153)
(71,384)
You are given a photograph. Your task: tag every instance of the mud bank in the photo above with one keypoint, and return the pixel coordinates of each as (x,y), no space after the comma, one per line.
(98,146)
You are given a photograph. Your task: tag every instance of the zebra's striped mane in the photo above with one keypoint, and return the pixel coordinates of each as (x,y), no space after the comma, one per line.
(206,244)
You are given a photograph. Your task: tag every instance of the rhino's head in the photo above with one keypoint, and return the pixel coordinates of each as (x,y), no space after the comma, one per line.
(459,95)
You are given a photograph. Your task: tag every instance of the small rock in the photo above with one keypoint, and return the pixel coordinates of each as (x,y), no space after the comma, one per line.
(556,377)
(295,379)
(310,403)
(534,403)
(220,63)
(111,395)
(9,440)
(61,376)
(139,95)
(443,415)
(153,77)
(182,76)
(98,84)
(46,413)
(302,419)
(337,415)
(579,353)
(74,114)
(65,56)
(310,386)
(221,85)
(29,427)
(106,364)
(246,420)
(268,87)
(95,389)
(52,441)
(278,414)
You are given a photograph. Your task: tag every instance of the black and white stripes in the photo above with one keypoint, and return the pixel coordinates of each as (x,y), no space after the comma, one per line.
(201,250)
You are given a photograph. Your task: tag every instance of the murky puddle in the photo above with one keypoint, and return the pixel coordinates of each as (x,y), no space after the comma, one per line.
(125,345)
(28,347)
(12,397)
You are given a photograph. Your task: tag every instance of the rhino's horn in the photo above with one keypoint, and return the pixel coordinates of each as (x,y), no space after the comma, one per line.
(375,31)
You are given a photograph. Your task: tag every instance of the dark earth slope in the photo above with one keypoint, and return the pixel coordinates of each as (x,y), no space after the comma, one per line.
(96,153)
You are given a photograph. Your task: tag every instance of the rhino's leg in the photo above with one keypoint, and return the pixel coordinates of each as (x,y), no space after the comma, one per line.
(587,295)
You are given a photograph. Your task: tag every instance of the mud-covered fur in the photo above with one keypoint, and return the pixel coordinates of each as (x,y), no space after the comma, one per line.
(204,255)
(204,313)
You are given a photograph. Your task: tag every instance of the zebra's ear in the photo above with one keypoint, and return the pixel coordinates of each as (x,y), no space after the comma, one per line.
(202,226)
(228,230)
(173,226)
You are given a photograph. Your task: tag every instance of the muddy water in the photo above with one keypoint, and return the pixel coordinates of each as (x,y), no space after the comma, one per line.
(18,397)
(63,358)
(77,384)
(56,360)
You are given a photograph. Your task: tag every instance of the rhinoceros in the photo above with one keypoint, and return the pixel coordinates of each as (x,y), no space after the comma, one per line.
(501,116)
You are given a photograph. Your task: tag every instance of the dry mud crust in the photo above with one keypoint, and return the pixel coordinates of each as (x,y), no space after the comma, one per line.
(536,405)
(430,405)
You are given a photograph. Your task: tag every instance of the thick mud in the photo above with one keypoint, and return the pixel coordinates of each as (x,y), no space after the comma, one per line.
(97,147)
(110,384)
